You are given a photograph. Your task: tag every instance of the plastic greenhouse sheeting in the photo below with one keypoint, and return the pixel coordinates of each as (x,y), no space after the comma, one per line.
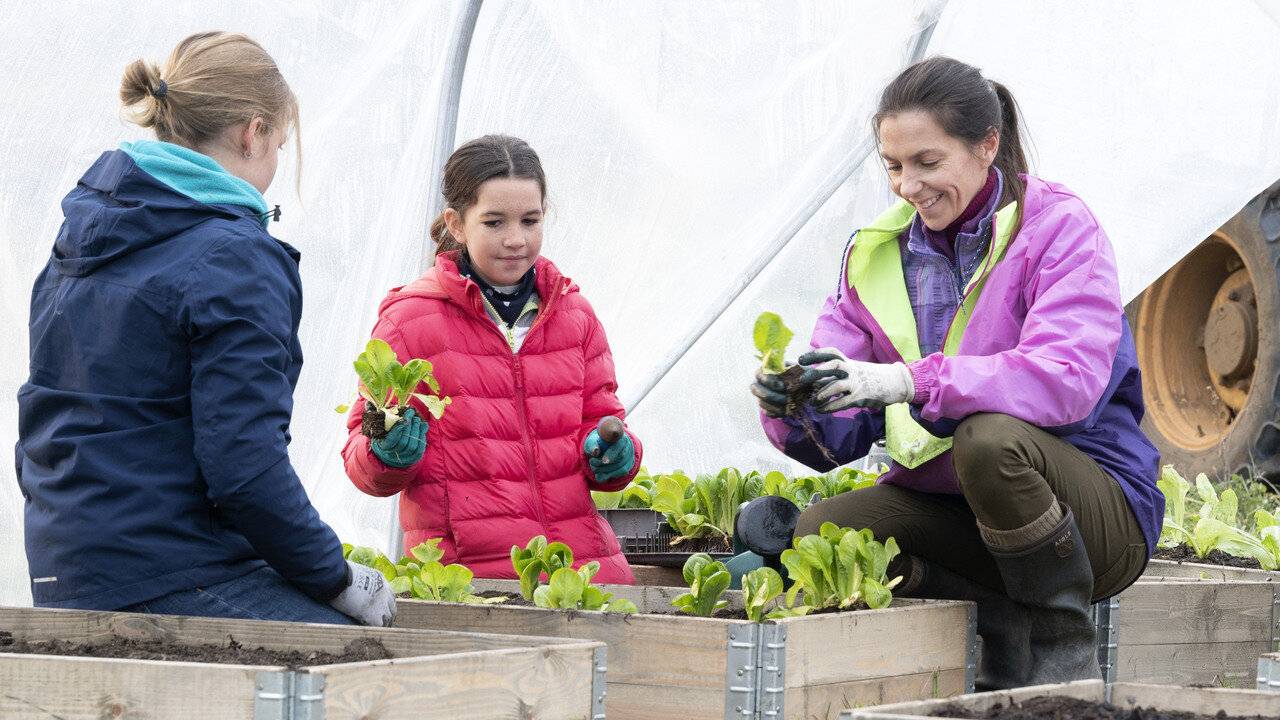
(706,161)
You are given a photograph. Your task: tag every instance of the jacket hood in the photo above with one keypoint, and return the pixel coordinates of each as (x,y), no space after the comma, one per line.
(117,209)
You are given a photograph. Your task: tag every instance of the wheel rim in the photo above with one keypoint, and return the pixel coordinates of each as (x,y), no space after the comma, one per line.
(1197,336)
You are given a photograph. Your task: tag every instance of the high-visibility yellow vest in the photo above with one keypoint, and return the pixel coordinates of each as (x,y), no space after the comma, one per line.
(875,272)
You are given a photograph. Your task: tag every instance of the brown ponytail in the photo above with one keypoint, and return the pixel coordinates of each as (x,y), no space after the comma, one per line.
(968,107)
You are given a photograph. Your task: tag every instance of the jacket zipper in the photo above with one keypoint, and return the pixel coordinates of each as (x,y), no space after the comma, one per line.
(518,371)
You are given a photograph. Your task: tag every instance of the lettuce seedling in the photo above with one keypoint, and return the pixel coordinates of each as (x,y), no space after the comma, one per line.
(537,558)
(571,589)
(638,494)
(839,567)
(771,338)
(1175,488)
(388,387)
(707,580)
(759,588)
(703,507)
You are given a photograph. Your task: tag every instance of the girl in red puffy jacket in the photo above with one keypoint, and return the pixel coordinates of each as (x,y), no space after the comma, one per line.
(526,362)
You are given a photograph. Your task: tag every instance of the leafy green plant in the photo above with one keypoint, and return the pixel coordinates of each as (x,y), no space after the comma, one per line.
(703,507)
(1213,524)
(707,580)
(637,495)
(760,587)
(571,589)
(389,387)
(537,558)
(421,574)
(839,567)
(771,337)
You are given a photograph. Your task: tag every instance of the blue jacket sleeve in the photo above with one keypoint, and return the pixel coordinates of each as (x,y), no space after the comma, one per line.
(242,305)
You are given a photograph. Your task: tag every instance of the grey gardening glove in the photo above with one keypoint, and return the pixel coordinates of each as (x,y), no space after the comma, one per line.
(841,383)
(771,394)
(368,598)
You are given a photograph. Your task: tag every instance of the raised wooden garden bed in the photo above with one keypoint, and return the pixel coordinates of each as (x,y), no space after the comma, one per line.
(431,674)
(1125,696)
(1186,631)
(664,666)
(1207,571)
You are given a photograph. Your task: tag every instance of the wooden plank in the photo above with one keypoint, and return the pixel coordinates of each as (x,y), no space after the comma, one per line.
(1084,690)
(1180,612)
(668,650)
(1205,571)
(43,687)
(648,598)
(1207,701)
(906,639)
(1218,664)
(552,683)
(625,701)
(826,702)
(91,626)
(655,575)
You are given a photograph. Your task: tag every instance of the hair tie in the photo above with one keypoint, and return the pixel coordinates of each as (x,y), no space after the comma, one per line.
(162,90)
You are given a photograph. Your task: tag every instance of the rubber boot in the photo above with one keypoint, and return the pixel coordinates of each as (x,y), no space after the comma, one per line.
(740,565)
(1048,573)
(1003,624)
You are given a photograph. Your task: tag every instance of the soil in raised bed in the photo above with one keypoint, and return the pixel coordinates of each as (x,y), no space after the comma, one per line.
(1184,553)
(1061,708)
(233,653)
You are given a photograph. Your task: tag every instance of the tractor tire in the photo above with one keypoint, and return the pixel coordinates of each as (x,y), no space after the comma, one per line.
(1208,339)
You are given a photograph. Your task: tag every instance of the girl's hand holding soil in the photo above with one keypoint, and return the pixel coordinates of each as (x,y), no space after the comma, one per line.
(404,444)
(609,450)
(842,383)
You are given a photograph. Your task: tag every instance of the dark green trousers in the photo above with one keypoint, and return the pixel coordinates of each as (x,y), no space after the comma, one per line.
(1010,472)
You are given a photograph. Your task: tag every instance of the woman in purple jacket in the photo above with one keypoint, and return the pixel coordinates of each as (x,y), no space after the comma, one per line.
(977,327)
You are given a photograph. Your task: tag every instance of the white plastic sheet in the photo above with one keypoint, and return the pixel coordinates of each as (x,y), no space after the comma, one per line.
(683,142)
(368,76)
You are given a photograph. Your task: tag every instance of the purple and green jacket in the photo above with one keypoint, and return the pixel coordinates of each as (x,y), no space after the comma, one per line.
(1048,344)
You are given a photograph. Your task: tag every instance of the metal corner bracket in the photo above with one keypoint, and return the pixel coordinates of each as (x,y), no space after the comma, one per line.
(288,695)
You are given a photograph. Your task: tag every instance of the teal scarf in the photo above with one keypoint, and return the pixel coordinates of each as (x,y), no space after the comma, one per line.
(195,175)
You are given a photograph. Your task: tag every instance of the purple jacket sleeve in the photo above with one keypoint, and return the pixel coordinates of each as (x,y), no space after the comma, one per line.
(1061,366)
(847,435)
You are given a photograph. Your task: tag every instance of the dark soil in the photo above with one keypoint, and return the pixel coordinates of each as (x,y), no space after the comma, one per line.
(798,395)
(511,598)
(1059,708)
(233,653)
(1184,553)
(373,423)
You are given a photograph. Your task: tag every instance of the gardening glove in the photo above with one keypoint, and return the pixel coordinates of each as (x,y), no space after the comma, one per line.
(405,444)
(368,598)
(842,383)
(609,461)
(771,394)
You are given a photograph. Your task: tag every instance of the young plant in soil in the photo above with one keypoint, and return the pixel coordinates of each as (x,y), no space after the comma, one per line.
(421,575)
(839,568)
(771,337)
(760,588)
(388,387)
(707,580)
(571,589)
(538,558)
(1214,525)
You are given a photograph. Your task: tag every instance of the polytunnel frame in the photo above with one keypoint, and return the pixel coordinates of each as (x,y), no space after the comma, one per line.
(446,137)
(790,229)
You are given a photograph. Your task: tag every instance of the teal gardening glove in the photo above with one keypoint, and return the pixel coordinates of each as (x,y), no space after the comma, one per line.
(405,444)
(609,460)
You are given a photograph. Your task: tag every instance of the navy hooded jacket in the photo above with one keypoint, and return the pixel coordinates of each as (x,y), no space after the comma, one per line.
(153,431)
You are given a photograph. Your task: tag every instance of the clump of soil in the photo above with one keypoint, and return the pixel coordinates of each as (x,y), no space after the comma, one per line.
(798,394)
(1184,553)
(1060,708)
(233,653)
(373,423)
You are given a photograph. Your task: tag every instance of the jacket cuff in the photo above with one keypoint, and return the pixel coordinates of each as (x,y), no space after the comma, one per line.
(925,381)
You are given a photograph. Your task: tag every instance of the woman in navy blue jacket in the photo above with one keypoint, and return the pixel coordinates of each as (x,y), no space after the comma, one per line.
(154,428)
